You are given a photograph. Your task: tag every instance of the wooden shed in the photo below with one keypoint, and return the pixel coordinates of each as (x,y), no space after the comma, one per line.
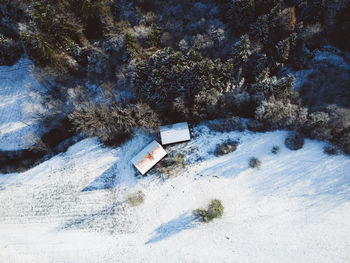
(148,157)
(178,132)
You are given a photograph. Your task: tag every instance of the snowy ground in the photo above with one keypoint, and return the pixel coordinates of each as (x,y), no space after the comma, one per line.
(295,208)
(16,84)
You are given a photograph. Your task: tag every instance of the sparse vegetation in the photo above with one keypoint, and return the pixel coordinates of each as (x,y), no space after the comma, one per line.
(254,162)
(226,147)
(179,159)
(171,164)
(136,199)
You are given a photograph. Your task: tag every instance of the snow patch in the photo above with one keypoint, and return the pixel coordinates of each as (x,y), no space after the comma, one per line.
(15,87)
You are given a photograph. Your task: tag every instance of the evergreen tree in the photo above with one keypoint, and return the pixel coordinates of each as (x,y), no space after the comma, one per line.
(282,50)
(155,36)
(283,88)
(241,50)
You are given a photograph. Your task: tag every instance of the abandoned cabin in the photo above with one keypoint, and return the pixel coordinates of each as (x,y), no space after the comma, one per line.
(175,133)
(148,157)
(154,152)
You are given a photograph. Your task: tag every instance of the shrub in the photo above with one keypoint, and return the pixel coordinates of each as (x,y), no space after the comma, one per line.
(275,149)
(226,147)
(294,141)
(215,210)
(330,149)
(111,124)
(136,199)
(254,162)
(277,114)
(227,125)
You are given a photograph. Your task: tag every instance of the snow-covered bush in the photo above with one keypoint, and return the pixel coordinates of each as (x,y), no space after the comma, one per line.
(318,126)
(254,162)
(227,125)
(215,210)
(277,114)
(330,149)
(294,141)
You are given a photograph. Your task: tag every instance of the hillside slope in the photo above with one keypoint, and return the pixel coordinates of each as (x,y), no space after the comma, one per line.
(72,208)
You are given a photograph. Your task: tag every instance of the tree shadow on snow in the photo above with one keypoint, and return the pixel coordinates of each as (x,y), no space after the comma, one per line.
(122,171)
(174,226)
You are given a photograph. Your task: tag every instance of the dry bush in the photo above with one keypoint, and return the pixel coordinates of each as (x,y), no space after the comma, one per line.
(110,124)
(136,199)
(171,164)
(226,147)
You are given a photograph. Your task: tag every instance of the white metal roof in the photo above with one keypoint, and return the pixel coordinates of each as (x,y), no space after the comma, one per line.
(178,132)
(148,157)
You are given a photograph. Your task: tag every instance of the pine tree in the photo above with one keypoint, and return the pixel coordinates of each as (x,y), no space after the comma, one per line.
(155,36)
(264,76)
(282,50)
(283,88)
(241,50)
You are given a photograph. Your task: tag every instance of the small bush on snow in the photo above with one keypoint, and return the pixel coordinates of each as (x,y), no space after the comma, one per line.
(215,210)
(254,162)
(275,149)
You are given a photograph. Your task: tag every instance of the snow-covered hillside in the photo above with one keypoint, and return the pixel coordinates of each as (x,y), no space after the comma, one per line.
(72,208)
(16,84)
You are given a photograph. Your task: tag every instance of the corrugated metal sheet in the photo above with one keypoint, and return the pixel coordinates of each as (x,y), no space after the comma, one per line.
(148,157)
(178,132)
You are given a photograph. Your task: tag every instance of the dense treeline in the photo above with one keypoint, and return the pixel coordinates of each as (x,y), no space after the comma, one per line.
(185,60)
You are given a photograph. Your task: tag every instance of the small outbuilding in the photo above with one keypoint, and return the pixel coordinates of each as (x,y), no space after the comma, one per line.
(148,157)
(174,133)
